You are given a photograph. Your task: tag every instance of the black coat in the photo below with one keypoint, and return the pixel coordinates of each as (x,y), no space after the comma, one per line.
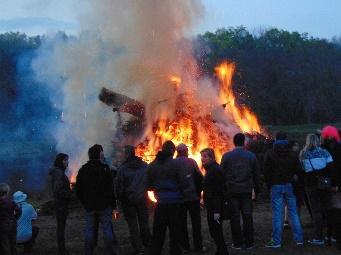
(94,186)
(60,185)
(214,188)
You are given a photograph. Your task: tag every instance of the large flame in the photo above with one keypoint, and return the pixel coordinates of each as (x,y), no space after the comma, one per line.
(195,130)
(243,117)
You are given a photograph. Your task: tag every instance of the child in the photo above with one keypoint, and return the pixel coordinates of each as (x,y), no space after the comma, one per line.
(9,213)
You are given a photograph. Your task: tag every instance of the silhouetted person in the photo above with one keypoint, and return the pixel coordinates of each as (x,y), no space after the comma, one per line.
(95,190)
(167,182)
(214,198)
(240,168)
(131,191)
(61,192)
(9,213)
(194,178)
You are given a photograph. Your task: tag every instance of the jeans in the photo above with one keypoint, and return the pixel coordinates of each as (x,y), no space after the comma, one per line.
(319,203)
(216,232)
(241,203)
(105,219)
(193,207)
(166,216)
(281,195)
(138,223)
(61,210)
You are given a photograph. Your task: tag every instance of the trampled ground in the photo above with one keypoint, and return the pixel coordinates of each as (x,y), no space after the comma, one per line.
(46,243)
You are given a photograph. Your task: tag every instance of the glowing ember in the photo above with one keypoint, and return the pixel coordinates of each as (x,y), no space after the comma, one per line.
(151,196)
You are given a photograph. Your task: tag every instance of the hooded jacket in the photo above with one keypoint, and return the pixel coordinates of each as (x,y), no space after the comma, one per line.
(131,181)
(60,184)
(94,186)
(280,164)
(166,179)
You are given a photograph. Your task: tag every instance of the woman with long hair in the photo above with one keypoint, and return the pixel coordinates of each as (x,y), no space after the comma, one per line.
(319,182)
(61,191)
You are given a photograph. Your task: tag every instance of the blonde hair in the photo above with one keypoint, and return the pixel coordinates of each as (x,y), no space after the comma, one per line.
(312,142)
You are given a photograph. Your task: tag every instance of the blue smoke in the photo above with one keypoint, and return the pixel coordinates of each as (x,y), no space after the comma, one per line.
(26,131)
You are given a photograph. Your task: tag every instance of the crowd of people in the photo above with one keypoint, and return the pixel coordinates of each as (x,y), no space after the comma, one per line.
(311,176)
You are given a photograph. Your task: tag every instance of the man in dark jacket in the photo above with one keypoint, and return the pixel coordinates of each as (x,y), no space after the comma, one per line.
(167,182)
(189,168)
(240,168)
(95,190)
(131,191)
(280,166)
(214,198)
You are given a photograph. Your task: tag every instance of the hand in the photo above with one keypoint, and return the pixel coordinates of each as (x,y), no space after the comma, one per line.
(216,217)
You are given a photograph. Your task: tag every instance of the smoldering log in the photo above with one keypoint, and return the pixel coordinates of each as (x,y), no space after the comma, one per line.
(122,103)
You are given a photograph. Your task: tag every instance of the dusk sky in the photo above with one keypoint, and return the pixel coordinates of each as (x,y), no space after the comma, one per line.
(319,18)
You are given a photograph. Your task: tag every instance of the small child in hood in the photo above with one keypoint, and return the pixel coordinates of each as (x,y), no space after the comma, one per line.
(9,213)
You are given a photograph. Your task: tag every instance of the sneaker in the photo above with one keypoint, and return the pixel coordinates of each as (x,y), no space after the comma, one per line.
(316,242)
(237,248)
(271,244)
(250,247)
(299,243)
(202,250)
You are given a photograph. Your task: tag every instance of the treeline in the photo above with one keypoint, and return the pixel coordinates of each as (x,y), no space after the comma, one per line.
(286,78)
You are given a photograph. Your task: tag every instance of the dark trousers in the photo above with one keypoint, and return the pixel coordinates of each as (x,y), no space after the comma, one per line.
(241,204)
(28,245)
(319,205)
(166,216)
(193,207)
(8,237)
(138,223)
(216,232)
(61,210)
(336,219)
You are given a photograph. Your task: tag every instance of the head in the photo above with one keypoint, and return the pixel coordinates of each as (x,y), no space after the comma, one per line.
(19,196)
(207,156)
(61,161)
(182,150)
(128,152)
(239,140)
(330,133)
(280,135)
(4,189)
(294,145)
(100,148)
(169,148)
(96,152)
(312,142)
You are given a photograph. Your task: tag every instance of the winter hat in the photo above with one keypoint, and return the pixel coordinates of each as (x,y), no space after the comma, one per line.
(19,196)
(330,132)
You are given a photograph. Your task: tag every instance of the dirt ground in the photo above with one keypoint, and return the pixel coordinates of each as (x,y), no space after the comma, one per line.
(46,242)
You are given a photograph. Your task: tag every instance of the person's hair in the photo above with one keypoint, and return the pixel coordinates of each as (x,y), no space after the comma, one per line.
(94,152)
(209,152)
(129,151)
(280,135)
(312,142)
(182,149)
(4,189)
(58,162)
(168,147)
(239,139)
